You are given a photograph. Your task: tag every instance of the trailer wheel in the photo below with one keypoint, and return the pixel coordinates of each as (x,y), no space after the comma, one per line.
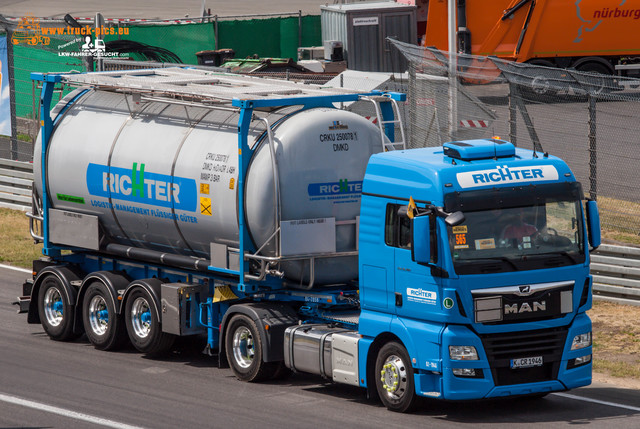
(394,378)
(56,312)
(143,326)
(103,325)
(244,351)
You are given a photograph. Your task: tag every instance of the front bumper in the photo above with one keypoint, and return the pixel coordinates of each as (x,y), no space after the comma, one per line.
(496,378)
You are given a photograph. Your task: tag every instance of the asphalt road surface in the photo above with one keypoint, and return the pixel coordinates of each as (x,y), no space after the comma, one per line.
(49,384)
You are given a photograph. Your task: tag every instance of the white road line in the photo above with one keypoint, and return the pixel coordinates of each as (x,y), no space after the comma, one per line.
(66,413)
(9,267)
(596,401)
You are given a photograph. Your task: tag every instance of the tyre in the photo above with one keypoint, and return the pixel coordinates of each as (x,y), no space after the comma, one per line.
(540,88)
(143,326)
(243,346)
(56,312)
(394,378)
(103,325)
(601,81)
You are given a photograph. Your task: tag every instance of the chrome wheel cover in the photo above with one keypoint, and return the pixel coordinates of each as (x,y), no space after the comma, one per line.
(98,315)
(53,306)
(243,351)
(141,317)
(394,377)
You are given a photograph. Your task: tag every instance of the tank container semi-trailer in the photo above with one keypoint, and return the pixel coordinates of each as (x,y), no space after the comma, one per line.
(458,272)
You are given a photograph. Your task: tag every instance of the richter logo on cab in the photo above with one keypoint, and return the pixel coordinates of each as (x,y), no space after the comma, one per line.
(504,174)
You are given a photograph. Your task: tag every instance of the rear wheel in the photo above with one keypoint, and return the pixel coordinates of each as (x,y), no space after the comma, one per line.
(103,325)
(243,346)
(56,312)
(143,326)
(394,378)
(540,84)
(601,80)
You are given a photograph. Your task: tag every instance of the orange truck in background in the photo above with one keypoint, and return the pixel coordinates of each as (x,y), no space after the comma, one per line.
(588,35)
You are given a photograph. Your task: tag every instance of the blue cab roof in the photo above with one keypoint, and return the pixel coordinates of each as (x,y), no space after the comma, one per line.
(426,174)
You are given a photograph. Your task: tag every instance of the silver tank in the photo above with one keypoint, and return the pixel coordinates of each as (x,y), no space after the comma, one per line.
(165,177)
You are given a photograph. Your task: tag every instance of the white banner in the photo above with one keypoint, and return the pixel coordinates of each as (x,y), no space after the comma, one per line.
(5,112)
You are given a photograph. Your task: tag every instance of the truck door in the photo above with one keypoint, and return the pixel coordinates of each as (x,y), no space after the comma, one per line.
(415,289)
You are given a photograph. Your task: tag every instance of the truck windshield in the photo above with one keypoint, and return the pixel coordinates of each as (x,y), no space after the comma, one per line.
(546,234)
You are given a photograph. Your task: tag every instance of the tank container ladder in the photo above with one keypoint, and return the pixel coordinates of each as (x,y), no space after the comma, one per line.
(383,122)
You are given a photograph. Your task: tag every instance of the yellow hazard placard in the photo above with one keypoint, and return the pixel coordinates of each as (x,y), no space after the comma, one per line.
(204,188)
(223,293)
(205,206)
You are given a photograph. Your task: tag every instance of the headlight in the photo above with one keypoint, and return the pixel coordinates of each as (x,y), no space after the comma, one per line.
(582,360)
(463,353)
(579,361)
(581,341)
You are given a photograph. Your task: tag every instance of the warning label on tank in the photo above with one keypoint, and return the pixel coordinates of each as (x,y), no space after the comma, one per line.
(339,140)
(205,206)
(215,168)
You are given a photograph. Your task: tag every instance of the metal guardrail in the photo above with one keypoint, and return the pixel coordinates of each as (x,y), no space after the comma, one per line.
(615,269)
(16,178)
(616,274)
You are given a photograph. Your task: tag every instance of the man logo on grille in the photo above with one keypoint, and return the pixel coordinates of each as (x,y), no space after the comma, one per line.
(525,290)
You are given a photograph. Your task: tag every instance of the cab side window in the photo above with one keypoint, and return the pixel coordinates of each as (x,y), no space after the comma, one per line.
(397,227)
(398,230)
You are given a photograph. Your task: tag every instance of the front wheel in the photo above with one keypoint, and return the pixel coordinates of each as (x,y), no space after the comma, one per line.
(143,326)
(55,309)
(243,346)
(394,378)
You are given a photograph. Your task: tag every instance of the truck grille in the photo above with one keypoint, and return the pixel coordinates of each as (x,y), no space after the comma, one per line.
(502,348)
(523,303)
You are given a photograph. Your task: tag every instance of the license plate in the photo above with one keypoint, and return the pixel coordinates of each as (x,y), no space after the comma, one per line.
(527,362)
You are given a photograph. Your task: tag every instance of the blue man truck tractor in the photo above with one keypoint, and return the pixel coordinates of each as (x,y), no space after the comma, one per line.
(298,236)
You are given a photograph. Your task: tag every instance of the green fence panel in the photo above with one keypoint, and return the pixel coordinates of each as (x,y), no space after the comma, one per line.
(183,40)
(273,37)
(289,28)
(293,30)
(251,37)
(28,59)
(311,31)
